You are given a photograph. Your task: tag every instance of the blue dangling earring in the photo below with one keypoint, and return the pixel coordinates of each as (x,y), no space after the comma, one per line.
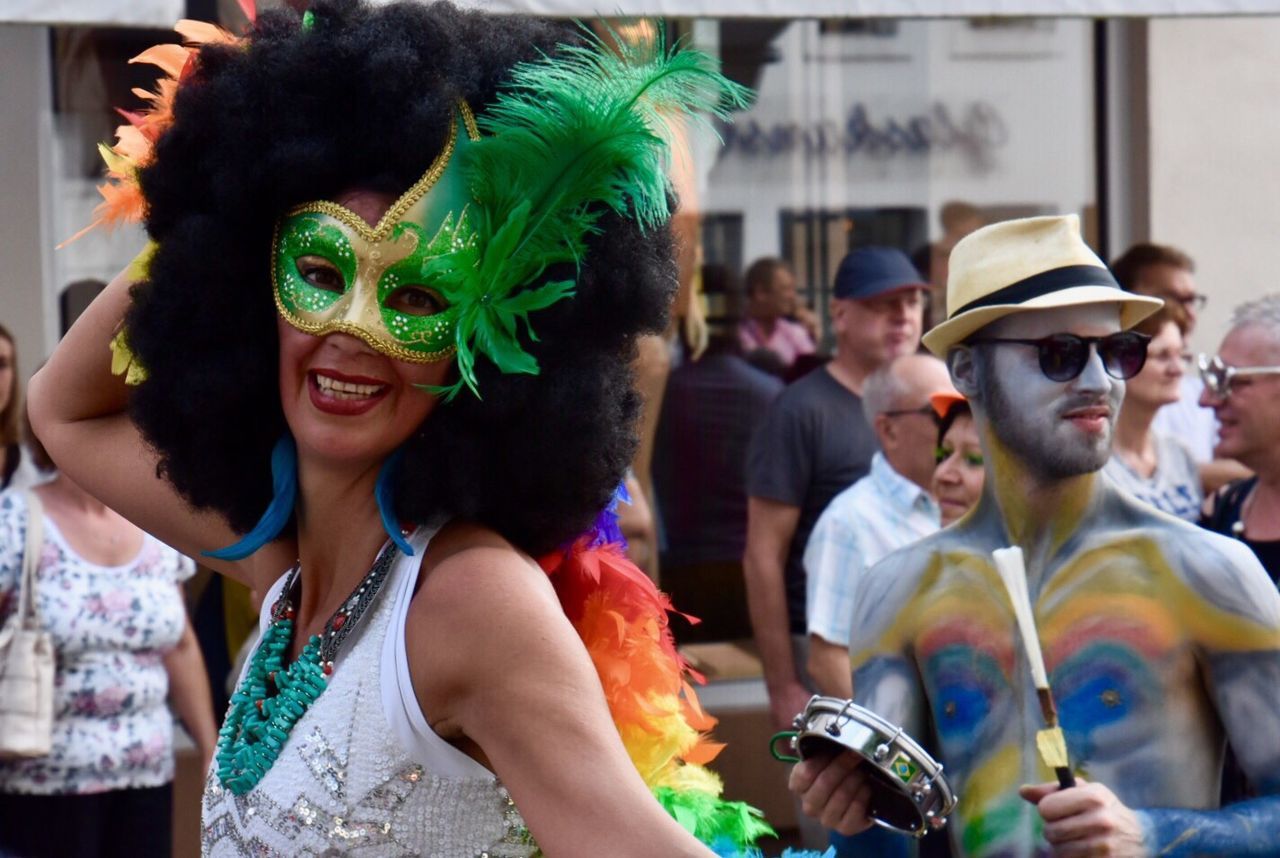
(382,493)
(284,480)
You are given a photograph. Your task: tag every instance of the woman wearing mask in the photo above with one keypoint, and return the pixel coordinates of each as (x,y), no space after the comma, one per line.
(360,216)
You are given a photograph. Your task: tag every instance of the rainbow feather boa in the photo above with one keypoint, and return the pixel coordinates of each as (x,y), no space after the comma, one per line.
(622,619)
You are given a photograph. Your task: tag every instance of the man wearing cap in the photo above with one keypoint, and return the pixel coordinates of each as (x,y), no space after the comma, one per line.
(1160,640)
(813,443)
(888,508)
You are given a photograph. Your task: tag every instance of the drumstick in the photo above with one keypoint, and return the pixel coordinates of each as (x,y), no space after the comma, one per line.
(1050,742)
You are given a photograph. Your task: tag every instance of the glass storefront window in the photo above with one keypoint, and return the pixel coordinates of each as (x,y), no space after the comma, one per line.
(863,131)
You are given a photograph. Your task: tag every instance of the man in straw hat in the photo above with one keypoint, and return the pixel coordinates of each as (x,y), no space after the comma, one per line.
(1160,640)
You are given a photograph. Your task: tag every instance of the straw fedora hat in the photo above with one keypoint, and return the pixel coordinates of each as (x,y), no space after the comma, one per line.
(1033,263)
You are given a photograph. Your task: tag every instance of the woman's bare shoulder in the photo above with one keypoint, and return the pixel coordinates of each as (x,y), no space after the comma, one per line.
(482,602)
(471,568)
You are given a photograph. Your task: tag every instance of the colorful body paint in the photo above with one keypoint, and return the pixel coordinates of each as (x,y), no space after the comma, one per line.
(1156,637)
(1161,640)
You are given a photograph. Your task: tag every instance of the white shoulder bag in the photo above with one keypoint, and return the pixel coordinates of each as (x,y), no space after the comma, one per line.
(26,659)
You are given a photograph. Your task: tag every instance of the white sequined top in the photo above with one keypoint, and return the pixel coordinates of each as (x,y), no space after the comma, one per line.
(362,772)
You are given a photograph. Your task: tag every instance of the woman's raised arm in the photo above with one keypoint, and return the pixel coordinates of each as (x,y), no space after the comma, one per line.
(78,410)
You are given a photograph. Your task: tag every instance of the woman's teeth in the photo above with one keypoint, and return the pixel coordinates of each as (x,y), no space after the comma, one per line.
(346,389)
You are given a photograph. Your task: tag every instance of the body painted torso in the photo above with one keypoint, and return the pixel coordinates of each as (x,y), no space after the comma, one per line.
(1133,618)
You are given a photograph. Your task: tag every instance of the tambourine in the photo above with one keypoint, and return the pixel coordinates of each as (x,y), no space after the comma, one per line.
(909,793)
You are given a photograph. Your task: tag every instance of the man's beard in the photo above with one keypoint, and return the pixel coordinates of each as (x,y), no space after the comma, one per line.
(1035,443)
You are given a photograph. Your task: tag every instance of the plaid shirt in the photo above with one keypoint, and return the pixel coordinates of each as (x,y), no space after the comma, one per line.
(875,516)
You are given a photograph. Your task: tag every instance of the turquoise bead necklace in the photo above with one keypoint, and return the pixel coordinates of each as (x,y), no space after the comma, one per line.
(258,720)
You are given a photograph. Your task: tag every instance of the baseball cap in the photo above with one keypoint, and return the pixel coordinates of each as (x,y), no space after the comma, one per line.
(871,271)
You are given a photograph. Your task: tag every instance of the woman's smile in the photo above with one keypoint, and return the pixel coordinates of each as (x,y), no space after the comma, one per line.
(335,393)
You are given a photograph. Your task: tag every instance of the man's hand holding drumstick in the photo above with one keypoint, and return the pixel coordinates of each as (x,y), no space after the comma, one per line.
(1079,818)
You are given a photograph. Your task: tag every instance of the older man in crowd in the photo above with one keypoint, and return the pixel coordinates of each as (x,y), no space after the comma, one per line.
(813,443)
(1161,640)
(885,510)
(1242,386)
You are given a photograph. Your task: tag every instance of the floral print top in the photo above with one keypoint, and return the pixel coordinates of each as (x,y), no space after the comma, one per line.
(111,627)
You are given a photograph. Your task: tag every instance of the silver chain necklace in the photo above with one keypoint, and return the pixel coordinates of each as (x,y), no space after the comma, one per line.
(347,616)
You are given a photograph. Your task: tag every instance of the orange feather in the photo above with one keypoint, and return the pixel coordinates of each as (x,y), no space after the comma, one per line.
(169,58)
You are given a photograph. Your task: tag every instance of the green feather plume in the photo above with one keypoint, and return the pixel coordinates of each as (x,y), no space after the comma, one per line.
(711,819)
(568,137)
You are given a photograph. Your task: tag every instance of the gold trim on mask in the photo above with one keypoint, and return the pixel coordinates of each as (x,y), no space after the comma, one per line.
(469,120)
(382,346)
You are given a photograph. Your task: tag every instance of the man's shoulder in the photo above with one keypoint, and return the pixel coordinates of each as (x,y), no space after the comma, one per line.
(850,502)
(887,585)
(1123,516)
(1201,552)
(816,382)
(849,513)
(1218,568)
(914,557)
(757,380)
(816,392)
(717,369)
(969,542)
(802,402)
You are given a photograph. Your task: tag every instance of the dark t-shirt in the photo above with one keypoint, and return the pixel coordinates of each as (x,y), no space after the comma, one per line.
(813,444)
(709,412)
(1225,514)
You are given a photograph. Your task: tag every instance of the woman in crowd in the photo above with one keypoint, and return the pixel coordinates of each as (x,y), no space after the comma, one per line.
(344,261)
(110,595)
(959,476)
(16,468)
(1155,468)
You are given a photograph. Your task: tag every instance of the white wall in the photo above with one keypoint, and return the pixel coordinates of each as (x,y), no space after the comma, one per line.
(26,307)
(1214,104)
(122,13)
(1037,83)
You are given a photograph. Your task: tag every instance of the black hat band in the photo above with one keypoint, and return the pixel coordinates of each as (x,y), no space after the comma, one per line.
(1053,280)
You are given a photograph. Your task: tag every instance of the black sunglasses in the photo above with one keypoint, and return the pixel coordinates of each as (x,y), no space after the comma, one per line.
(1063,356)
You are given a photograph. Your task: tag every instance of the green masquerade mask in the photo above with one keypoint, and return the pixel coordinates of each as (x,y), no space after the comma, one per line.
(333,272)
(458,264)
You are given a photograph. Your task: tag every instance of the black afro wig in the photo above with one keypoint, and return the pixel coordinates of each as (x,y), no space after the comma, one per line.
(363,97)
